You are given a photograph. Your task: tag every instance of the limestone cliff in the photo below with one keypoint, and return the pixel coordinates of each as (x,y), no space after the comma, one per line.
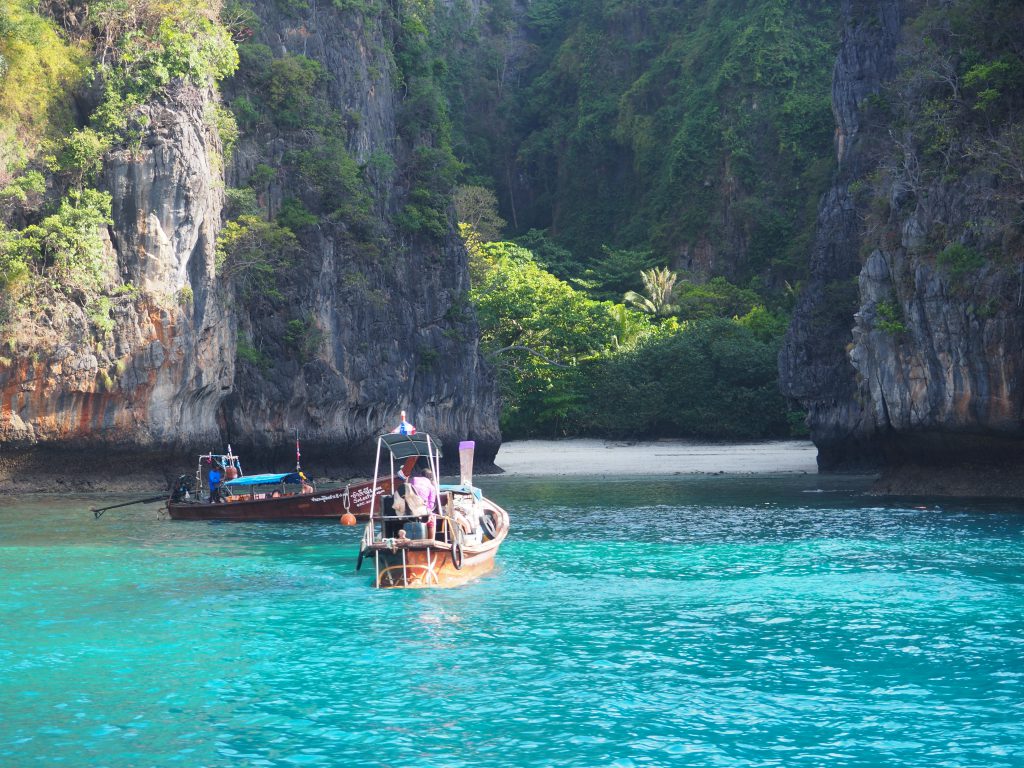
(906,346)
(152,373)
(382,310)
(367,319)
(814,365)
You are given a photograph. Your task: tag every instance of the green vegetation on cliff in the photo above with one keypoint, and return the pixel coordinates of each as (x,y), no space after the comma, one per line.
(701,132)
(952,120)
(38,71)
(308,176)
(115,59)
(289,96)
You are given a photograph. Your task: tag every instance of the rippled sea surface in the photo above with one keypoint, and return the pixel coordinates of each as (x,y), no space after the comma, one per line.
(665,622)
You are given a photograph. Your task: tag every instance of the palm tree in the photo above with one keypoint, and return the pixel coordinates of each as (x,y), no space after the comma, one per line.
(661,289)
(627,328)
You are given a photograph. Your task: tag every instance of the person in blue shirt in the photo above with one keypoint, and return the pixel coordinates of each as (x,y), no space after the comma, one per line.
(214,479)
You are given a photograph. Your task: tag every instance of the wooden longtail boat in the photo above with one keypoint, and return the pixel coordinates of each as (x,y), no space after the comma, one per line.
(287,496)
(412,546)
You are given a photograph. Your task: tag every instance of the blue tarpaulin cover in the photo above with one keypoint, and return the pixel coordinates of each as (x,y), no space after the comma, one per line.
(463,489)
(287,477)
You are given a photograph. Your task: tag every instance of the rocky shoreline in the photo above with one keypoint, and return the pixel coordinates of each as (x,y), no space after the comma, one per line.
(967,481)
(87,470)
(83,470)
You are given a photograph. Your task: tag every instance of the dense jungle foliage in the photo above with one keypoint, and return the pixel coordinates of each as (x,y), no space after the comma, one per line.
(667,155)
(697,133)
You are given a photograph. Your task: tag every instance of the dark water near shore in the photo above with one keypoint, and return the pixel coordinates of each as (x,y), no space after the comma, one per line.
(681,621)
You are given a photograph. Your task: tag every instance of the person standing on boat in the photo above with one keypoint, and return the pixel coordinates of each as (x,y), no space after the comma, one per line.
(214,479)
(423,485)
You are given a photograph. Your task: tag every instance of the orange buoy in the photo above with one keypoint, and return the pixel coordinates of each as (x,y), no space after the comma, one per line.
(230,473)
(348,519)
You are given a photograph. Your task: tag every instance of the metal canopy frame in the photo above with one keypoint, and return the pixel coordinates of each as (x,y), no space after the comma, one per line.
(406,446)
(402,447)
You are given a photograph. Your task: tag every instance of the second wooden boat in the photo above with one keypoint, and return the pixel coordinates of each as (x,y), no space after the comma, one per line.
(284,496)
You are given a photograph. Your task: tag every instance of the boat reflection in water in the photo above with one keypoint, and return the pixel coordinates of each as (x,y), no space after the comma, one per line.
(411,545)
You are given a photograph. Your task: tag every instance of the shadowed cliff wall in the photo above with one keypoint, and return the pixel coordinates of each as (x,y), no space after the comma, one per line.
(906,345)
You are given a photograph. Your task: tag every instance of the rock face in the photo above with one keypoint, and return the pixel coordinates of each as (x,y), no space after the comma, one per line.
(391,329)
(166,203)
(903,361)
(155,378)
(390,318)
(814,366)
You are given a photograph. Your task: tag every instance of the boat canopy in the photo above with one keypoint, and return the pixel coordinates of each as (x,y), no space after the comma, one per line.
(287,477)
(406,446)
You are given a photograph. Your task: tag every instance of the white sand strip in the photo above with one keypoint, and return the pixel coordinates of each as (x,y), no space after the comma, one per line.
(664,457)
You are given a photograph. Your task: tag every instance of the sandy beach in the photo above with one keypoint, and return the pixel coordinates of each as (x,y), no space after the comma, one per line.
(664,457)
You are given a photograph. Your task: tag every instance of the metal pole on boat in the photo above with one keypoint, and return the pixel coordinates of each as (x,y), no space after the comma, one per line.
(434,464)
(368,533)
(199,478)
(98,513)
(376,469)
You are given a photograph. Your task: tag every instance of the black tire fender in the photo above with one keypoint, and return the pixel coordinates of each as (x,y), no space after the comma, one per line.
(457,555)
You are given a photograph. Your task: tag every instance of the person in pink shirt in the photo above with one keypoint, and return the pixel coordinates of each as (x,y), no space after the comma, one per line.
(423,485)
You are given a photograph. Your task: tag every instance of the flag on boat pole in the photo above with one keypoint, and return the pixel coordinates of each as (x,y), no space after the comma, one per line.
(298,455)
(404,427)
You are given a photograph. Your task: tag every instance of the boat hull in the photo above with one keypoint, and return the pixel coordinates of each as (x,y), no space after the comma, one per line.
(419,563)
(328,504)
(428,567)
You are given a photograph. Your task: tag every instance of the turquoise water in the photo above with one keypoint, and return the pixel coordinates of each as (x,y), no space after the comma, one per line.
(706,622)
